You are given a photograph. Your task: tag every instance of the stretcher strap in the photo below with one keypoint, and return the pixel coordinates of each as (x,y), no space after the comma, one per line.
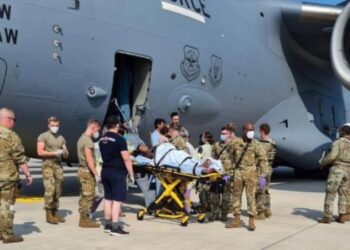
(179,167)
(194,168)
(157,164)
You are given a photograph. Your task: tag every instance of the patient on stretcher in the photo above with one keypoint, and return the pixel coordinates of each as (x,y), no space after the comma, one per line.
(166,155)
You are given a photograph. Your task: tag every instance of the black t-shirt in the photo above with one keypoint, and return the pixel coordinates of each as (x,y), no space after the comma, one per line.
(111,146)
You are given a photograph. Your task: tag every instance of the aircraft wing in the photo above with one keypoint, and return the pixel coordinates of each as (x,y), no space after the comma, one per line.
(323,31)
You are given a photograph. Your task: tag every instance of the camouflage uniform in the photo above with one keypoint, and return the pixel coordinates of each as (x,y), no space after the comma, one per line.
(86,178)
(252,166)
(221,203)
(263,199)
(203,187)
(339,176)
(11,156)
(52,170)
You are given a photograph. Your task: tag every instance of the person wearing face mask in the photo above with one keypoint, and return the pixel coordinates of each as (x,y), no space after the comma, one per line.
(87,173)
(250,168)
(51,147)
(220,203)
(263,200)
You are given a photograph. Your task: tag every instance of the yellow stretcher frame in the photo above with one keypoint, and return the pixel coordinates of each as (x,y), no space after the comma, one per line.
(171,180)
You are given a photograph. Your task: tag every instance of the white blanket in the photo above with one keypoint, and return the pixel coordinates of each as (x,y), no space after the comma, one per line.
(175,158)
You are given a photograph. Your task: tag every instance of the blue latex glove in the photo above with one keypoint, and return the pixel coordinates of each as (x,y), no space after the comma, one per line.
(262,182)
(226,178)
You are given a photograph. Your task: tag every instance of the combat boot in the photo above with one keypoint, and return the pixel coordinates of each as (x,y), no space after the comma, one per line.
(347,217)
(251,226)
(236,223)
(85,222)
(341,218)
(58,218)
(268,213)
(13,239)
(326,220)
(50,218)
(261,216)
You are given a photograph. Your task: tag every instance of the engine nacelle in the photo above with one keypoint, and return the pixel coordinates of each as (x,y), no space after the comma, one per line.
(338,49)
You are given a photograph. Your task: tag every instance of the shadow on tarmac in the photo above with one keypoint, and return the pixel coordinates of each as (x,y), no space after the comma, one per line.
(26,228)
(308,213)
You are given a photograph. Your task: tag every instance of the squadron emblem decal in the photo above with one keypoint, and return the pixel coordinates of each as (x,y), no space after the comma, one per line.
(215,72)
(190,67)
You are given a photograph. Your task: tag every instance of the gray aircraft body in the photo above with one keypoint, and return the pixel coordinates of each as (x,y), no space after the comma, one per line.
(213,61)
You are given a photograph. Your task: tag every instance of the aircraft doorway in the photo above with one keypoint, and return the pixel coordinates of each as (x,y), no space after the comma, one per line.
(131,83)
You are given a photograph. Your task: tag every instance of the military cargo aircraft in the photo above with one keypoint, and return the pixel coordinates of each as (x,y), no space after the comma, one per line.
(276,61)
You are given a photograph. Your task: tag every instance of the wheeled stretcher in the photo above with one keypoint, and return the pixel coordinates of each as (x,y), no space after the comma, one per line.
(170,203)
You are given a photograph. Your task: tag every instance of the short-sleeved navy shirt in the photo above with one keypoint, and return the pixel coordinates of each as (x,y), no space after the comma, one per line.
(111,146)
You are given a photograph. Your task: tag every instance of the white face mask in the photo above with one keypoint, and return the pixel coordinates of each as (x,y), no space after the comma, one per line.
(223,138)
(96,135)
(250,135)
(54,130)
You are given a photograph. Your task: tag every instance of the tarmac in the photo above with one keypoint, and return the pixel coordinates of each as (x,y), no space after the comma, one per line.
(296,204)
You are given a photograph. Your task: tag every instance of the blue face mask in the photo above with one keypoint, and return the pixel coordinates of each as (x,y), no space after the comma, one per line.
(125,136)
(223,138)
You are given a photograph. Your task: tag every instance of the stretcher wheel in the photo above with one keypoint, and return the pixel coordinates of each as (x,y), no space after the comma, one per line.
(140,214)
(156,213)
(201,218)
(184,221)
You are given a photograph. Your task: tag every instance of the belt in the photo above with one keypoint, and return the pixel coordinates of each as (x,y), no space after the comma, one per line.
(52,160)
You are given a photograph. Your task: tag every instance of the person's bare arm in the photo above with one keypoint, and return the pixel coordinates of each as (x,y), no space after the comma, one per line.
(25,169)
(65,151)
(128,163)
(40,148)
(89,156)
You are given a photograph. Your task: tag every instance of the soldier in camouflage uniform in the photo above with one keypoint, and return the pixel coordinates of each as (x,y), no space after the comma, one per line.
(250,168)
(347,215)
(87,173)
(339,176)
(204,151)
(221,202)
(12,158)
(176,139)
(263,199)
(51,147)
